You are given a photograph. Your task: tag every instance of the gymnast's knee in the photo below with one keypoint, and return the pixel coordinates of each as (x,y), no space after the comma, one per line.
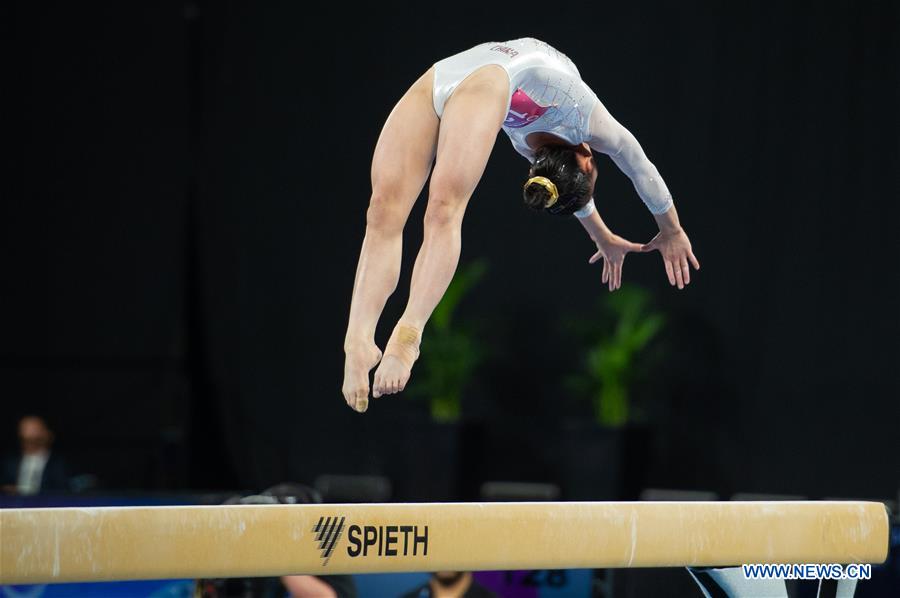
(445,210)
(385,215)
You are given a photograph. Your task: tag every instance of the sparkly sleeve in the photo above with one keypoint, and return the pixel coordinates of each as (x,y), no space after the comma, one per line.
(611,138)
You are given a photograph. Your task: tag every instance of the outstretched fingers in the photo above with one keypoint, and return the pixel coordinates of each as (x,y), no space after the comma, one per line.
(670,271)
(634,247)
(612,274)
(653,245)
(694,261)
(677,257)
(676,268)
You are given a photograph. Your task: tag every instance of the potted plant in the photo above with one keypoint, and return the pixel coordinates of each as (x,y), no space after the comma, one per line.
(613,340)
(450,351)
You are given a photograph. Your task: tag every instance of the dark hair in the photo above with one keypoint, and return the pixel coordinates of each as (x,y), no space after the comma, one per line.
(558,163)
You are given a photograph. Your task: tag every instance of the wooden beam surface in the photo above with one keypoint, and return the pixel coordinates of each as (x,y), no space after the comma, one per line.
(116,543)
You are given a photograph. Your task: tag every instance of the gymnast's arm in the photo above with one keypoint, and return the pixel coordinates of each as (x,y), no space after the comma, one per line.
(611,138)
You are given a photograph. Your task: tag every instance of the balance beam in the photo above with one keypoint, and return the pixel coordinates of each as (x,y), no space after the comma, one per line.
(119,543)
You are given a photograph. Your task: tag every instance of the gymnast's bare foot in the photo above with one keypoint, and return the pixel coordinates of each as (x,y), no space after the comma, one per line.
(400,354)
(357,364)
(390,377)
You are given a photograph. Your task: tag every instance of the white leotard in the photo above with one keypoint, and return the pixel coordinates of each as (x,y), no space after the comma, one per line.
(548,95)
(545,88)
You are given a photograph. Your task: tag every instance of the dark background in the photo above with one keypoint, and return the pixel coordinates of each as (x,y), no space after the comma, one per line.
(186,199)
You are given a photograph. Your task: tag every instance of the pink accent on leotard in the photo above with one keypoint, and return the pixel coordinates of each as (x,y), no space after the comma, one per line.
(523,111)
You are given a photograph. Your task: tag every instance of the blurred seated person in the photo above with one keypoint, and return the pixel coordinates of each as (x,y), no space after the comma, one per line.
(451,584)
(295,586)
(37,470)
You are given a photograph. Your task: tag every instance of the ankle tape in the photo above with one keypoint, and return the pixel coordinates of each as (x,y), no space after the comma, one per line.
(404,344)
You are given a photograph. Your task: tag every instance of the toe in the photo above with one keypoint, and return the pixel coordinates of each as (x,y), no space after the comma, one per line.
(349,397)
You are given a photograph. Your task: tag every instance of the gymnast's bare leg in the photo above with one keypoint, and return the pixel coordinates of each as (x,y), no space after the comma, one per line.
(469,125)
(400,166)
(467,131)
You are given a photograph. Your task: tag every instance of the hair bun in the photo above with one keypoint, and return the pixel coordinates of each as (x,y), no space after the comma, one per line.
(536,196)
(557,184)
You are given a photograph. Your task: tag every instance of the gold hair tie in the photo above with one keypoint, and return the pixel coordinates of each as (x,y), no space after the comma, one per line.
(546,184)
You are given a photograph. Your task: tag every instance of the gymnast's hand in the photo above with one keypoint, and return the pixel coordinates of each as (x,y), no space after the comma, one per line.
(613,249)
(675,248)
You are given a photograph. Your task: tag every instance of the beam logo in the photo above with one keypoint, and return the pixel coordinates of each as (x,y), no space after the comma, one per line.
(328,531)
(369,540)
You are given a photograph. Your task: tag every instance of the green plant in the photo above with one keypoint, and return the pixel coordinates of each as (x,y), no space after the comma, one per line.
(613,337)
(450,351)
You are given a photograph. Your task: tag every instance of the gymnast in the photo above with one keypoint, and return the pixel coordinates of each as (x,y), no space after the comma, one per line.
(450,118)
